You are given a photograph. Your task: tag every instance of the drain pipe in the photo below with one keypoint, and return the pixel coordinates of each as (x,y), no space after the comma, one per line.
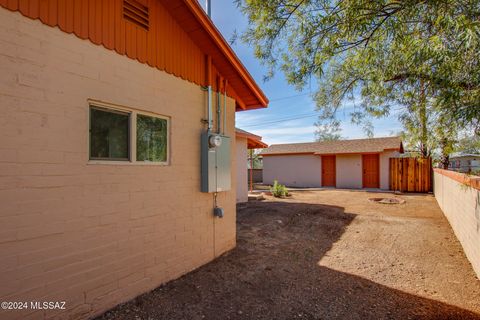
(219,106)
(225,106)
(209,90)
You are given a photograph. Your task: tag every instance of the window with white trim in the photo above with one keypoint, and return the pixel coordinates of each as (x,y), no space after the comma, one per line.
(119,134)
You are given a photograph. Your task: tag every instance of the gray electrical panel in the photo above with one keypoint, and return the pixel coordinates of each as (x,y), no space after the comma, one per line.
(216,163)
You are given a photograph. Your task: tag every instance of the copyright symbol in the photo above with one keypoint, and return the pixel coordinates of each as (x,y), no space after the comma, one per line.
(4,305)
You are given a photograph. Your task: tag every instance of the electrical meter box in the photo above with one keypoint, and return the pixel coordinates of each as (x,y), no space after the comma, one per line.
(216,163)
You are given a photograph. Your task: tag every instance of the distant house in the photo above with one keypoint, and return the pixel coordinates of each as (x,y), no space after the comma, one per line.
(464,162)
(245,141)
(359,163)
(105,113)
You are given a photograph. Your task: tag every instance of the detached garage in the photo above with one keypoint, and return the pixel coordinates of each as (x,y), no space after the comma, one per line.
(353,164)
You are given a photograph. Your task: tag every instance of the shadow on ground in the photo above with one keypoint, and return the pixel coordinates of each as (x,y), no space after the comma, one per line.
(273,273)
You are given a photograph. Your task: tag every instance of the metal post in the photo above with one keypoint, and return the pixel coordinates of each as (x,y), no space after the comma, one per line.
(251,170)
(225,106)
(209,8)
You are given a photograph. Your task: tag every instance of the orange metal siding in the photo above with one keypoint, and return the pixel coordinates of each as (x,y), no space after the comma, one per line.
(165,46)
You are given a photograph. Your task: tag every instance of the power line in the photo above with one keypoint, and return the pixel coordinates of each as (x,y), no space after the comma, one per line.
(295,117)
(282,120)
(289,97)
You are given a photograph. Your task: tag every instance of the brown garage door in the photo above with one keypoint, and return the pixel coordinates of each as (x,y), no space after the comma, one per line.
(328,171)
(371,171)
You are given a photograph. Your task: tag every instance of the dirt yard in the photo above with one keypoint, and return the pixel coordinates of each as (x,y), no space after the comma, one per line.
(326,255)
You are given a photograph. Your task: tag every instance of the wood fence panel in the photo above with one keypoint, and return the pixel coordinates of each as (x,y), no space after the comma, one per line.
(411,174)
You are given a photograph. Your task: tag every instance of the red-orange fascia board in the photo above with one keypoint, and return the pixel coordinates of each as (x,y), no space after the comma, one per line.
(207,24)
(344,153)
(256,144)
(253,141)
(247,135)
(318,153)
(286,154)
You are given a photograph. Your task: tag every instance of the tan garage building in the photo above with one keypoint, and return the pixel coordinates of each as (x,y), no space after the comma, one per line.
(352,164)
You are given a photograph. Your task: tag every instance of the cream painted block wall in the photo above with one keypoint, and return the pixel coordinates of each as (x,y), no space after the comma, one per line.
(461,205)
(95,235)
(293,171)
(349,171)
(385,168)
(242,174)
(305,170)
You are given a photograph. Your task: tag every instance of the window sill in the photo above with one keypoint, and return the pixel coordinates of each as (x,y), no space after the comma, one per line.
(127,163)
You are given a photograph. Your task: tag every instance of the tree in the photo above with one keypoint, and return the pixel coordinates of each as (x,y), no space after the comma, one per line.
(445,133)
(328,131)
(415,54)
(469,143)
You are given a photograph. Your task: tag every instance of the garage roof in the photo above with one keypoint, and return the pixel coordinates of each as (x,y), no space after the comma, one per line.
(371,145)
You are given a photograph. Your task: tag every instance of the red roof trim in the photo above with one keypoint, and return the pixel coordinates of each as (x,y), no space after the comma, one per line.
(227,51)
(253,141)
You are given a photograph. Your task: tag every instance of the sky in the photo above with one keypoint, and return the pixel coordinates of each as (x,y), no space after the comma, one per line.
(291,115)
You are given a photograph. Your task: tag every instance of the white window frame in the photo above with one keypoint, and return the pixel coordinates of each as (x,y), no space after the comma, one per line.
(132,134)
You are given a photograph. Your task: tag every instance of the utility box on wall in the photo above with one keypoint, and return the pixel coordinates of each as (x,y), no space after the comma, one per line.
(216,162)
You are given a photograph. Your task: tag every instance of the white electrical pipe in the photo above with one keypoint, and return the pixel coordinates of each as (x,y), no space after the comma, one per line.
(209,8)
(218,110)
(210,116)
(225,106)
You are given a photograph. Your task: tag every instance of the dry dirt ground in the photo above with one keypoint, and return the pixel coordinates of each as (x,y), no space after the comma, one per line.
(326,255)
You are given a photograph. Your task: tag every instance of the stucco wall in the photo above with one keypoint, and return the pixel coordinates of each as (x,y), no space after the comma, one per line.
(88,234)
(385,168)
(460,202)
(293,170)
(305,170)
(349,171)
(242,158)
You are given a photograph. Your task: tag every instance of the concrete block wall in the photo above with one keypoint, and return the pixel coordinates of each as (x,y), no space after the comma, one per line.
(293,170)
(459,198)
(349,171)
(242,174)
(385,168)
(95,235)
(305,170)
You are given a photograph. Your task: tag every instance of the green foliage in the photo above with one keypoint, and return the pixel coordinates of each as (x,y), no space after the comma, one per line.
(151,139)
(410,57)
(328,131)
(108,134)
(279,190)
(255,154)
(469,143)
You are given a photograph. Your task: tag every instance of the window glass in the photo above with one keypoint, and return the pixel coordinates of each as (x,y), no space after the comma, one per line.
(151,139)
(109,134)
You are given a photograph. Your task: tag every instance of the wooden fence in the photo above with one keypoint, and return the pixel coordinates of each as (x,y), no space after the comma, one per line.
(411,174)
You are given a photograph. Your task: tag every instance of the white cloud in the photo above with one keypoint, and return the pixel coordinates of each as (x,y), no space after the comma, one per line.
(286,131)
(245,118)
(286,134)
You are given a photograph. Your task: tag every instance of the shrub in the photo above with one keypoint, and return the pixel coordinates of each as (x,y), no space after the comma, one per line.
(279,190)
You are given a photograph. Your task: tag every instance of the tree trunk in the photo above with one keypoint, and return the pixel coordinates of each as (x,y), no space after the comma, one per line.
(445,158)
(423,122)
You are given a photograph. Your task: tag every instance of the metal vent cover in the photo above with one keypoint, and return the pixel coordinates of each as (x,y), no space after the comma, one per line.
(136,13)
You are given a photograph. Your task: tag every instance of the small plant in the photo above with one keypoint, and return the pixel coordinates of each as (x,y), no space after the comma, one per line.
(279,190)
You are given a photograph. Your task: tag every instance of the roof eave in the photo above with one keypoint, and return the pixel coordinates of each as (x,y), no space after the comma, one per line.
(227,51)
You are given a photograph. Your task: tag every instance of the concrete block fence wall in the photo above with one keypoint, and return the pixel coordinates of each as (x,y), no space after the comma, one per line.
(458,195)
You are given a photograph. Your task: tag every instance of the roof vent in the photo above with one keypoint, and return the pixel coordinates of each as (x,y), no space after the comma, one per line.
(136,13)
